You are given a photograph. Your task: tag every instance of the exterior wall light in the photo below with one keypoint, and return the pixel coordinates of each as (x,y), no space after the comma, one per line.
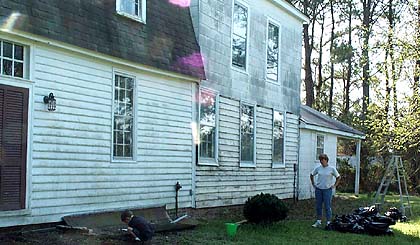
(50,100)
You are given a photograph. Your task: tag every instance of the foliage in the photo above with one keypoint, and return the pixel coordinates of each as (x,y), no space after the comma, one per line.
(265,209)
(418,189)
(347,174)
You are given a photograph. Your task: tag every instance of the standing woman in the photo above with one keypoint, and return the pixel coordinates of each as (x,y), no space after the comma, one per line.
(327,179)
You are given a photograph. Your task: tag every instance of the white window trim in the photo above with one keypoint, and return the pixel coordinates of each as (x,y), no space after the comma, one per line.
(279,164)
(248,164)
(316,145)
(134,158)
(205,160)
(233,67)
(274,22)
(140,18)
(26,64)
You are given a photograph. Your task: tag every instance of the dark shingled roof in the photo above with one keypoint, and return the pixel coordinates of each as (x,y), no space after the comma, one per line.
(314,117)
(167,41)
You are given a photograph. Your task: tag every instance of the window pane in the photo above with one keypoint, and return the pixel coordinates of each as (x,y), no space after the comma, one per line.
(238,51)
(207,139)
(7,49)
(247,133)
(132,7)
(272,52)
(123,116)
(240,22)
(207,124)
(7,67)
(278,137)
(240,17)
(18,72)
(18,52)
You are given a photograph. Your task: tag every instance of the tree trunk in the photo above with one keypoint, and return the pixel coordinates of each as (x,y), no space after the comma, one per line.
(365,55)
(349,64)
(320,84)
(330,101)
(309,83)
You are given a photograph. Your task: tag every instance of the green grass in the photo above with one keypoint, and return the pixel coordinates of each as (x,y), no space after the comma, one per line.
(296,229)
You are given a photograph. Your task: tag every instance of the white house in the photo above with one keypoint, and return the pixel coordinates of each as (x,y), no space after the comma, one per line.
(318,134)
(116,130)
(249,104)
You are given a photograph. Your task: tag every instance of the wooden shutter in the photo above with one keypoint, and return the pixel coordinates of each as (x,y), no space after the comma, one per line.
(13,145)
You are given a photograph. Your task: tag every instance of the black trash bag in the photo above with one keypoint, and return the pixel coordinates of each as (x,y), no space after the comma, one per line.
(366,211)
(377,228)
(384,219)
(395,214)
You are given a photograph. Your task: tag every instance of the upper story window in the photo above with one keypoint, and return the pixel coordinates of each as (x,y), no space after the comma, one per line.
(135,9)
(273,43)
(278,139)
(123,118)
(248,146)
(239,35)
(12,57)
(208,127)
(319,145)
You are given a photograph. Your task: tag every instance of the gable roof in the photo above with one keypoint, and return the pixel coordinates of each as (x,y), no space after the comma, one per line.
(167,41)
(310,116)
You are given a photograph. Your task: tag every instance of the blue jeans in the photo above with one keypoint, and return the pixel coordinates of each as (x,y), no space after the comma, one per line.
(323,196)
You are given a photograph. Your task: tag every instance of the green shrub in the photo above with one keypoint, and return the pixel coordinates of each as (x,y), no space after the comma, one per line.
(418,189)
(347,173)
(265,209)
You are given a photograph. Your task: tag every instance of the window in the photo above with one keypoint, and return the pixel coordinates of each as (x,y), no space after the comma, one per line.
(135,9)
(273,37)
(208,126)
(319,145)
(123,117)
(12,59)
(247,123)
(239,36)
(278,138)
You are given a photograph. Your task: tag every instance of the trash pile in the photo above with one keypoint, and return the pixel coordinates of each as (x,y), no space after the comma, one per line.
(367,220)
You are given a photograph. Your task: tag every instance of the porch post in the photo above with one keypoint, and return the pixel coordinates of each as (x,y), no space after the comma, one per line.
(357,179)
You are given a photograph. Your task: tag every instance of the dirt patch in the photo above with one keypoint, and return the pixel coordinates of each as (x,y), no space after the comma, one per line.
(46,234)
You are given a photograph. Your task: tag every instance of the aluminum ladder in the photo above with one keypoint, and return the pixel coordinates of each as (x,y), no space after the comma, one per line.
(395,167)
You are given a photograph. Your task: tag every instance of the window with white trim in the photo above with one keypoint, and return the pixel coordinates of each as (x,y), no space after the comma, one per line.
(12,59)
(319,145)
(208,126)
(273,41)
(278,138)
(123,118)
(239,35)
(247,124)
(135,9)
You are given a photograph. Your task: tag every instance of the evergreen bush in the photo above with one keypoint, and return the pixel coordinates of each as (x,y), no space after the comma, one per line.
(265,209)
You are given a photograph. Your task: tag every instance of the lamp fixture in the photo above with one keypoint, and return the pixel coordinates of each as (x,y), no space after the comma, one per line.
(50,100)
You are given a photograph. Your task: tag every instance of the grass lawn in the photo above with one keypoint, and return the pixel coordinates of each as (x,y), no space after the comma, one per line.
(296,229)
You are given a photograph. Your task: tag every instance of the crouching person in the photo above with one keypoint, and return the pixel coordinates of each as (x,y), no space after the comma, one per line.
(138,227)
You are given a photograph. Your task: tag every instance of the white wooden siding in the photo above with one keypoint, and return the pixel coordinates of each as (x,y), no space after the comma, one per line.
(308,159)
(72,171)
(229,184)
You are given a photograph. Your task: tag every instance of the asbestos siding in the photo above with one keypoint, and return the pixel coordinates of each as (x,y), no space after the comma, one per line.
(71,169)
(229,184)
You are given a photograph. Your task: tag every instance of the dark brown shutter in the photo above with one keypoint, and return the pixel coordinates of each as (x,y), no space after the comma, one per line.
(13,145)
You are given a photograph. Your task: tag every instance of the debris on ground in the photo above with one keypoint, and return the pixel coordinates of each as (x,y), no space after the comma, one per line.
(367,220)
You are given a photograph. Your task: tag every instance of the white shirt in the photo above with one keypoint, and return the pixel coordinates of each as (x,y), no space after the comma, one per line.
(325,176)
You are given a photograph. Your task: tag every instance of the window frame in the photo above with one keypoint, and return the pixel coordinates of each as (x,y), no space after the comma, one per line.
(275,23)
(248,164)
(24,61)
(132,159)
(279,164)
(205,160)
(316,145)
(246,6)
(140,18)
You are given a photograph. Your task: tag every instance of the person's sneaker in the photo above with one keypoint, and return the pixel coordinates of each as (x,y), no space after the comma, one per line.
(316,224)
